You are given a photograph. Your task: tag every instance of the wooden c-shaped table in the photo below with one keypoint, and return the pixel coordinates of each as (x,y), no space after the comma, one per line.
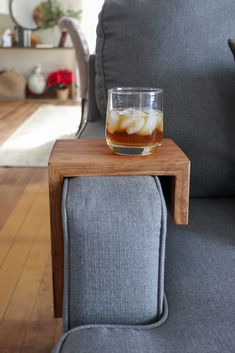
(71,158)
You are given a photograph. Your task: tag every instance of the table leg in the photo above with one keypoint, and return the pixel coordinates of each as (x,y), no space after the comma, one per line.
(180,202)
(57,245)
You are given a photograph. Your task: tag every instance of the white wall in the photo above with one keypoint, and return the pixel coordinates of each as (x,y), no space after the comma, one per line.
(91,9)
(4,7)
(5,22)
(23,61)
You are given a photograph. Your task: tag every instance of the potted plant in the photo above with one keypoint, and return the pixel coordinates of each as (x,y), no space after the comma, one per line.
(60,82)
(48,13)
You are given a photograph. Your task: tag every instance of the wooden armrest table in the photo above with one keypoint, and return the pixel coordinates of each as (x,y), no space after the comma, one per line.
(70,158)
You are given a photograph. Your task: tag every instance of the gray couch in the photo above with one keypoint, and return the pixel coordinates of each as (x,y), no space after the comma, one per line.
(180,46)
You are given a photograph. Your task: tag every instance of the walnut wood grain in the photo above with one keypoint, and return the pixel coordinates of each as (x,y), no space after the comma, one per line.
(70,158)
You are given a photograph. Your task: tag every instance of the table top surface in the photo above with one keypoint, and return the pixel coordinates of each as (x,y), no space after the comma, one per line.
(95,153)
(77,158)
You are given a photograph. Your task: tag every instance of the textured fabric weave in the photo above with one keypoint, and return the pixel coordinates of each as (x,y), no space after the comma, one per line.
(200,285)
(93,113)
(114,229)
(94,129)
(180,46)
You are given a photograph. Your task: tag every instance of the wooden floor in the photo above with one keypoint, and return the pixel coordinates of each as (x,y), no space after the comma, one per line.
(27,324)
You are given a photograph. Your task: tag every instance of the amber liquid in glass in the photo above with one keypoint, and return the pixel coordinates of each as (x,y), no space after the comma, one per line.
(134,128)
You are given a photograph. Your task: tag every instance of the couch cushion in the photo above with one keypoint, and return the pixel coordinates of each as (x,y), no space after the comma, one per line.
(114,236)
(181,47)
(200,285)
(95,129)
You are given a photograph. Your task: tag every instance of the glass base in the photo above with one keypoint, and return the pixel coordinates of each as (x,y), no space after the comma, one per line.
(132,151)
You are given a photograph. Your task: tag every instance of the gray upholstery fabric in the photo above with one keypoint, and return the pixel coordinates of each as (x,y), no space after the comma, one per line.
(114,231)
(95,129)
(180,46)
(200,285)
(93,111)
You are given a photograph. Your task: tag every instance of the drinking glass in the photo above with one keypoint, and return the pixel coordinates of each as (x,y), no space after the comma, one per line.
(134,121)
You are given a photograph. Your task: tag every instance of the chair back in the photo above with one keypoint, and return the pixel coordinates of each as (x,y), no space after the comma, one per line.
(81,49)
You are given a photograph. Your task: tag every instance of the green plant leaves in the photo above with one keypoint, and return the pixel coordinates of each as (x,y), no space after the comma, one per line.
(51,11)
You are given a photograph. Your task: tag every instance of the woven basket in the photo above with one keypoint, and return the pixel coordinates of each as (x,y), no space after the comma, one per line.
(12,85)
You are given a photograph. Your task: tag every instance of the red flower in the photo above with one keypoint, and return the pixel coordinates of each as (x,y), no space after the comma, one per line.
(59,80)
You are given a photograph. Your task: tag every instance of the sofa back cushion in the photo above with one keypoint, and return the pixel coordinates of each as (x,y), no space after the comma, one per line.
(180,46)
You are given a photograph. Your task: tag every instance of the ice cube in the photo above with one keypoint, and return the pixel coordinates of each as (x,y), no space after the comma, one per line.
(132,112)
(137,113)
(127,121)
(149,111)
(136,126)
(112,121)
(127,111)
(149,125)
(159,124)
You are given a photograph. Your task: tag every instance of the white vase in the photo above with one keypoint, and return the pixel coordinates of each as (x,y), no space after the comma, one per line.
(37,81)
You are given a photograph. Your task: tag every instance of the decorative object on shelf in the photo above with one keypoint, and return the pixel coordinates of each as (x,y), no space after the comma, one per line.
(37,81)
(47,14)
(27,38)
(21,12)
(15,37)
(63,37)
(60,82)
(12,85)
(35,40)
(24,38)
(7,39)
(20,37)
(45,46)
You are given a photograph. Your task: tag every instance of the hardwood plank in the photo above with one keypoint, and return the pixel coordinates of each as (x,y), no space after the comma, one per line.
(9,232)
(36,311)
(7,108)
(38,330)
(14,261)
(26,306)
(15,113)
(13,121)
(42,330)
(12,185)
(22,302)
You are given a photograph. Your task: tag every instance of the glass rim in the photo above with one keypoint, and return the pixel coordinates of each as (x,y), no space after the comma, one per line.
(135,90)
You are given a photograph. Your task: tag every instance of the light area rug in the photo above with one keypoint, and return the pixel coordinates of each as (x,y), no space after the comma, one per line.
(31,144)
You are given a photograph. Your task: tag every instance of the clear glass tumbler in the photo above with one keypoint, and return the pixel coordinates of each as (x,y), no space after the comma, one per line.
(134,121)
